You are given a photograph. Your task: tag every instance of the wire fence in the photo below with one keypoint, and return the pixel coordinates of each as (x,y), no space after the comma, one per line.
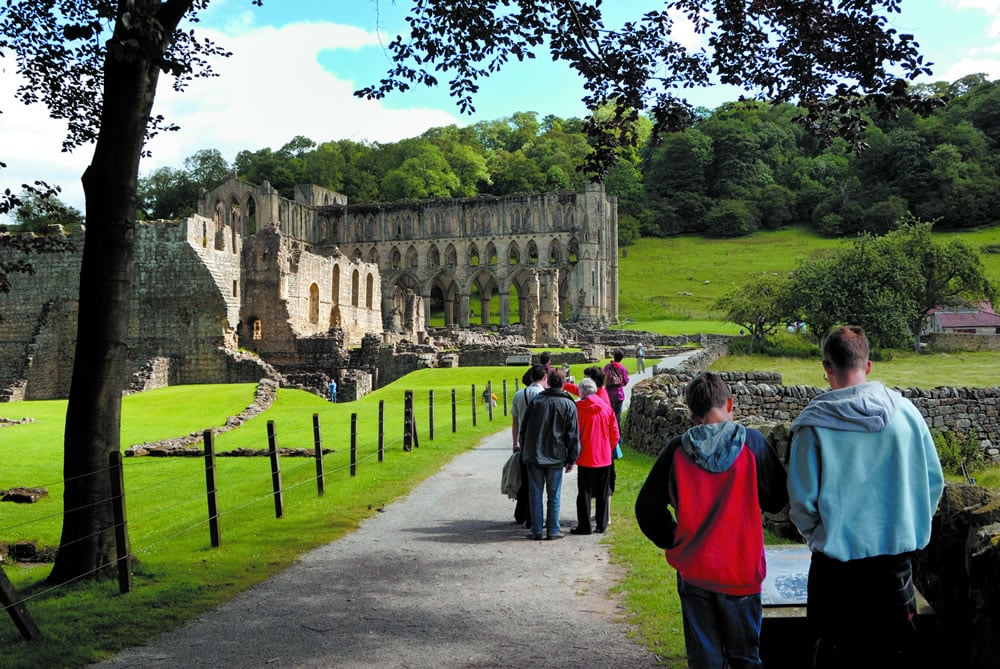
(181,515)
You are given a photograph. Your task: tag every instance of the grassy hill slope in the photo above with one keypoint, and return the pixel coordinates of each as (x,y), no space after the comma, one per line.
(679,278)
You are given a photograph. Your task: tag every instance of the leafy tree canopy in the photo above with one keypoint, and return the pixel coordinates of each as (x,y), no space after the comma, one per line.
(833,59)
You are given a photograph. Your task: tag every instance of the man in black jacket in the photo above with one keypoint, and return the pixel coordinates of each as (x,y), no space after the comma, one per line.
(550,444)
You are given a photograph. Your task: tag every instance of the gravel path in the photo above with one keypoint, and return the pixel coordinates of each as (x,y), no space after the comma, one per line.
(442,578)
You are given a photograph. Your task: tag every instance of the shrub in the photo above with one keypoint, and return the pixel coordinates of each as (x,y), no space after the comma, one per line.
(792,345)
(953,452)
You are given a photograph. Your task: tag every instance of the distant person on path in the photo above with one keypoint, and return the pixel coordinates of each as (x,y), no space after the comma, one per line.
(534,383)
(550,444)
(615,380)
(717,477)
(640,358)
(864,481)
(598,437)
(332,388)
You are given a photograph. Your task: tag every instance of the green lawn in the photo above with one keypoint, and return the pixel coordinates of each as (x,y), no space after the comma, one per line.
(178,574)
(679,278)
(905,370)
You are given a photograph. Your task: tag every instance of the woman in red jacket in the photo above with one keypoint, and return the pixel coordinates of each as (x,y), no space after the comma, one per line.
(598,437)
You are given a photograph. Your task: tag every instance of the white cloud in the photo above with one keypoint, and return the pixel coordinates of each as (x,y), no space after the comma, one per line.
(271,89)
(990,7)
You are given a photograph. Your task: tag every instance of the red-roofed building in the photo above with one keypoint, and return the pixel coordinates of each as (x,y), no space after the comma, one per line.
(969,320)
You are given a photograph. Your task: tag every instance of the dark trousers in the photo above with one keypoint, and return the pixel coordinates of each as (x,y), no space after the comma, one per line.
(522,507)
(720,630)
(593,483)
(863,612)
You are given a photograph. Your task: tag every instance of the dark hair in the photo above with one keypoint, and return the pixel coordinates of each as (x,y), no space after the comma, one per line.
(556,378)
(595,373)
(545,357)
(619,354)
(846,348)
(536,373)
(526,377)
(705,392)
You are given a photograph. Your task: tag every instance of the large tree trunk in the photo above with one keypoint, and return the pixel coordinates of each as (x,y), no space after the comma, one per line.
(93,417)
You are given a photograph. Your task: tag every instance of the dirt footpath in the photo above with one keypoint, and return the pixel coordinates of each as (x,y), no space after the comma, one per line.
(443,578)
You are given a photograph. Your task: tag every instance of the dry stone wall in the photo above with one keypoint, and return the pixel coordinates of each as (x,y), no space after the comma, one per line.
(657,410)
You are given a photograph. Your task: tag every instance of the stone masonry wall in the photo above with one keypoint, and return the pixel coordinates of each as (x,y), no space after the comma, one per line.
(657,410)
(962,342)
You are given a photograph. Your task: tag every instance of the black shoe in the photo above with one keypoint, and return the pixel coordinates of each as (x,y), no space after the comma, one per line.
(577,530)
(536,537)
(599,530)
(554,536)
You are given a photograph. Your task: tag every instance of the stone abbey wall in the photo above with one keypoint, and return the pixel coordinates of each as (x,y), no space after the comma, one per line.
(554,255)
(657,410)
(259,273)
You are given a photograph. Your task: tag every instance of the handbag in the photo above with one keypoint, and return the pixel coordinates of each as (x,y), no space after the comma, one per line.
(618,452)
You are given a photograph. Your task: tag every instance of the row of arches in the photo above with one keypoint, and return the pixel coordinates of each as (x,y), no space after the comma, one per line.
(434,258)
(484,300)
(483,220)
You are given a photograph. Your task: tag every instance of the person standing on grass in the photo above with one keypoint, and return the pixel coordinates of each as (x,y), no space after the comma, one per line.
(640,358)
(717,477)
(864,481)
(598,437)
(550,444)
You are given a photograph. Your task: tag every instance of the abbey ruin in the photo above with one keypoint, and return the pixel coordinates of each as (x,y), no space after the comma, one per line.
(312,287)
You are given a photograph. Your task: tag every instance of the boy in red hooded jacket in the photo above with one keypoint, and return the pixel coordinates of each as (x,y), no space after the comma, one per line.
(717,476)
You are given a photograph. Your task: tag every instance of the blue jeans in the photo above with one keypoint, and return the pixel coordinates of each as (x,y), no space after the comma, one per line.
(548,479)
(720,628)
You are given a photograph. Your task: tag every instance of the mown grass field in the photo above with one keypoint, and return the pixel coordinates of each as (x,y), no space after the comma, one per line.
(668,286)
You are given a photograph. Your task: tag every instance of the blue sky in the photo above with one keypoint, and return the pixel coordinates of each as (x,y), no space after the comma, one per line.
(296,64)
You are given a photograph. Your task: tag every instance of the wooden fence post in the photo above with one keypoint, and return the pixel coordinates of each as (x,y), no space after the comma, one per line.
(489,399)
(408,420)
(505,397)
(213,503)
(272,444)
(454,411)
(15,607)
(473,405)
(430,414)
(318,453)
(354,444)
(381,430)
(124,550)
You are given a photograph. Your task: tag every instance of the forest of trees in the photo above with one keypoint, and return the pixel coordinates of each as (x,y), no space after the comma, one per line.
(739,168)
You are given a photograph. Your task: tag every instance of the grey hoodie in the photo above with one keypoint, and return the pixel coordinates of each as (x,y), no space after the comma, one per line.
(866,407)
(714,447)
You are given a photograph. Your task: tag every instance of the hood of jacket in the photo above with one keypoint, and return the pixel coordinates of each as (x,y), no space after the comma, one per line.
(590,406)
(866,407)
(714,447)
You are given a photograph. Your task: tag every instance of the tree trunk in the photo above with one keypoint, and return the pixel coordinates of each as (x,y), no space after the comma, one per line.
(93,416)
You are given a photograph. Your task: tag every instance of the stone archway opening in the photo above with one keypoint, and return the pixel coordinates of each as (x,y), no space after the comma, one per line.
(443,310)
(485,304)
